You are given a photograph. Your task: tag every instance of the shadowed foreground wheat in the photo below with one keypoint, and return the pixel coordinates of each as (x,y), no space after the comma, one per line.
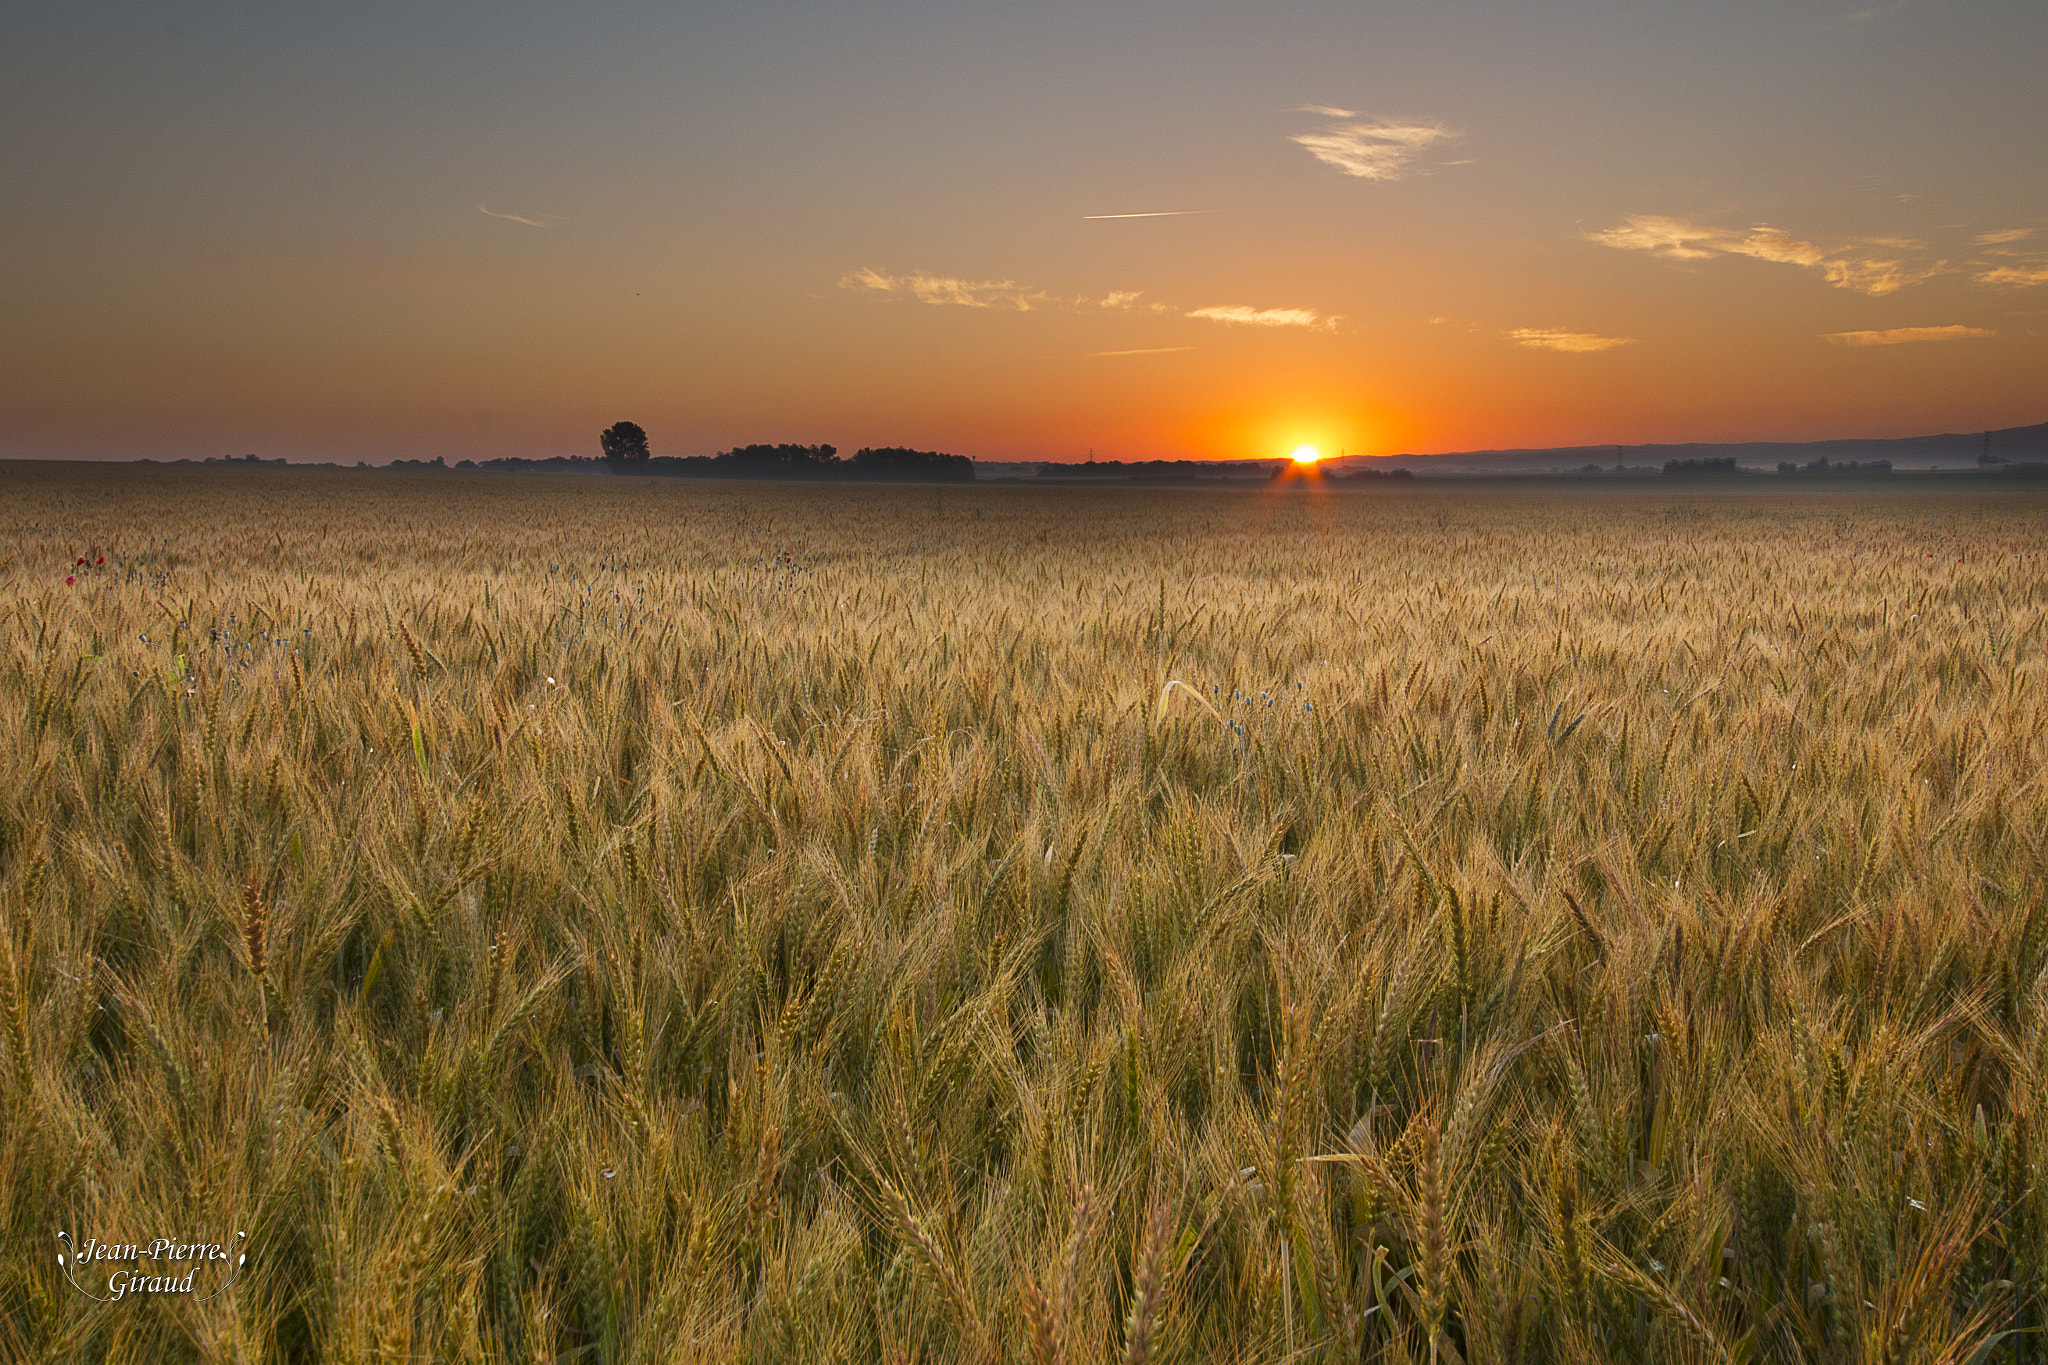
(603,920)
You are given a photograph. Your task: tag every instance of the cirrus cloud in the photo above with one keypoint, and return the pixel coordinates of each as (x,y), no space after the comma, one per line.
(1369,149)
(1851,265)
(2034,272)
(1899,336)
(1008,294)
(1575,343)
(947,289)
(1266,317)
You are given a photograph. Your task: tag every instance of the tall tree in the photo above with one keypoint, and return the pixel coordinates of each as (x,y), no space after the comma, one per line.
(624,444)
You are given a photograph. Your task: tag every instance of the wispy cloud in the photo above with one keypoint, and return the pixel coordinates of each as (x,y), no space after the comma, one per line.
(1878,277)
(1849,265)
(1164,213)
(539,220)
(1770,244)
(2034,272)
(1577,343)
(1145,350)
(1008,294)
(1899,336)
(1267,317)
(2023,267)
(946,289)
(1370,149)
(1672,238)
(1864,16)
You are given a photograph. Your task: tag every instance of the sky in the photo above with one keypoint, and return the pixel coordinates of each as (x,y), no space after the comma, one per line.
(1017,231)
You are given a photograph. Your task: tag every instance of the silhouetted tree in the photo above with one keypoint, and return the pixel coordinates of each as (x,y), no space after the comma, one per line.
(900,462)
(624,444)
(1821,466)
(784,461)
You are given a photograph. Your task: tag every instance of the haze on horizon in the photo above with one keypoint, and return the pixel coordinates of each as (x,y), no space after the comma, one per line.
(1148,230)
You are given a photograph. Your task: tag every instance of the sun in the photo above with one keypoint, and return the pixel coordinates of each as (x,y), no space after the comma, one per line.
(1306,455)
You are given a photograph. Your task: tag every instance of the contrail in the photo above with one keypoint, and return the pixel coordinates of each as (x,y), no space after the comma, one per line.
(1173,213)
(1149,350)
(515,218)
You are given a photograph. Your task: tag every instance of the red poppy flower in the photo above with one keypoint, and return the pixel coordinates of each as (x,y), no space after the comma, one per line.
(101,560)
(81,559)
(69,579)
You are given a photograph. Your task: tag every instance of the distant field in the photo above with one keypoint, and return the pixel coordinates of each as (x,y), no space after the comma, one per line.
(565,918)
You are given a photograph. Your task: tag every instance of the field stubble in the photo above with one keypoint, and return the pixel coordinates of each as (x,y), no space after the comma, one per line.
(668,921)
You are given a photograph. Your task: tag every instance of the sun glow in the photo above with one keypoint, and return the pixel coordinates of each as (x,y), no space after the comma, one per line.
(1306,455)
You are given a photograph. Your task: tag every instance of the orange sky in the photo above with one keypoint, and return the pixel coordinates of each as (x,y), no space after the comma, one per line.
(1424,228)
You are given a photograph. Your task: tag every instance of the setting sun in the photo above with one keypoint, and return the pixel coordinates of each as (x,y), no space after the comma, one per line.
(1306,455)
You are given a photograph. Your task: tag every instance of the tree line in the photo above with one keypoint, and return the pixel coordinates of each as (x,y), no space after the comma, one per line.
(625,449)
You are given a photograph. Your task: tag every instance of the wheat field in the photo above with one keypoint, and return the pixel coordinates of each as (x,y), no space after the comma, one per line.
(565,918)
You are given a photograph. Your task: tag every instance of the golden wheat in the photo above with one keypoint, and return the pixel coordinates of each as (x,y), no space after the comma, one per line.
(701,921)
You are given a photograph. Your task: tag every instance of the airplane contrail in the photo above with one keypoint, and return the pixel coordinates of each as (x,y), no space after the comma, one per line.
(516,218)
(1173,213)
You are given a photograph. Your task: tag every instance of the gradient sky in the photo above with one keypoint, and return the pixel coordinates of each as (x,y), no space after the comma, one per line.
(378,230)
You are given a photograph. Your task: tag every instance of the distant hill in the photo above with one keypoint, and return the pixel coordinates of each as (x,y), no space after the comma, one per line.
(1954,450)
